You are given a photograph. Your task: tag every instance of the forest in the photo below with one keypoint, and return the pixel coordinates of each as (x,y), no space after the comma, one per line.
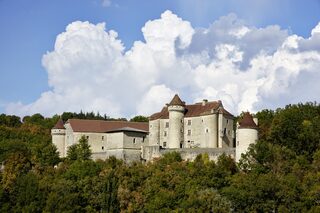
(280,173)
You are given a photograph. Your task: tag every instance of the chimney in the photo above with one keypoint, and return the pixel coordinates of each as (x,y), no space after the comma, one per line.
(204,102)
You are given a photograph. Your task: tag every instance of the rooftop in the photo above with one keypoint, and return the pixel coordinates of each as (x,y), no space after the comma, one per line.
(59,124)
(102,126)
(247,122)
(193,110)
(176,101)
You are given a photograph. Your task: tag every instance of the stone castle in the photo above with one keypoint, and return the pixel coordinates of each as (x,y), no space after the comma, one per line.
(204,127)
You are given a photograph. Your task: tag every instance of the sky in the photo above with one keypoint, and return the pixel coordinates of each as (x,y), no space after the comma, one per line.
(124,58)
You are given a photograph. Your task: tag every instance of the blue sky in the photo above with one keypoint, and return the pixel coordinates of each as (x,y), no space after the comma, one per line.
(29,30)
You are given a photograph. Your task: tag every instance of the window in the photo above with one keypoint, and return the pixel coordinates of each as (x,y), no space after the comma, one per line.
(164,144)
(189,131)
(181,145)
(207,130)
(227,121)
(189,122)
(188,141)
(144,137)
(102,148)
(165,133)
(167,124)
(237,143)
(134,140)
(102,137)
(88,137)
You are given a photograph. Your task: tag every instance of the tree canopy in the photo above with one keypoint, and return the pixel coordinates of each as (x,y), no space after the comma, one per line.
(280,173)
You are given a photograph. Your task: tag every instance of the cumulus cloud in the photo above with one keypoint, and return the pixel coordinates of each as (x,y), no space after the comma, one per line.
(248,68)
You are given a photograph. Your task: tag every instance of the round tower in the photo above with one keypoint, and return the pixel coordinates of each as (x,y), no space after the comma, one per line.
(58,133)
(176,110)
(247,133)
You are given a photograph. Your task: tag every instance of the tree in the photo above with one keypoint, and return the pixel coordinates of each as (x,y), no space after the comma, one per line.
(84,151)
(80,151)
(139,118)
(10,120)
(15,165)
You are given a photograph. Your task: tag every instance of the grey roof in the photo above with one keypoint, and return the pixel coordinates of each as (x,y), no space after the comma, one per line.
(127,129)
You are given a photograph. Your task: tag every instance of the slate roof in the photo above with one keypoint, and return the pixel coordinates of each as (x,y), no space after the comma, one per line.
(247,122)
(194,110)
(176,101)
(101,126)
(59,124)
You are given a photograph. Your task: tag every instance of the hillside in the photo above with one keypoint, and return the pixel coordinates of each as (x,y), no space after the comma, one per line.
(278,174)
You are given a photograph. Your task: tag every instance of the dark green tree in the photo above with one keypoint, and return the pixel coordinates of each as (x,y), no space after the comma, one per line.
(139,118)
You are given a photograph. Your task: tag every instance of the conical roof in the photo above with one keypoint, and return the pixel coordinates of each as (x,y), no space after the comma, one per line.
(176,101)
(59,124)
(247,122)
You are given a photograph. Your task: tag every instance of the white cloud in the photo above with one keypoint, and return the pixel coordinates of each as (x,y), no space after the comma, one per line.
(247,68)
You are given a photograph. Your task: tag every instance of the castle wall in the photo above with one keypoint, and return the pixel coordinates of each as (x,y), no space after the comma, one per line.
(134,140)
(176,114)
(122,145)
(163,139)
(200,131)
(193,132)
(154,129)
(69,140)
(150,153)
(97,141)
(245,137)
(58,139)
(208,131)
(226,130)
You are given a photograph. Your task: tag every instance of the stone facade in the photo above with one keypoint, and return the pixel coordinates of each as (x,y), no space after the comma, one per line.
(124,143)
(204,127)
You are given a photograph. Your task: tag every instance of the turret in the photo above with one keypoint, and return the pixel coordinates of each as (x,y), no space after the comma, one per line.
(247,133)
(176,110)
(58,133)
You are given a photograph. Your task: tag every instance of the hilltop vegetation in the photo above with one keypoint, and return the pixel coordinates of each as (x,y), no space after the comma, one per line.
(281,173)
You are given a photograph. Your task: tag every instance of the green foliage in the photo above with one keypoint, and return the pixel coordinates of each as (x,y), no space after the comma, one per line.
(10,120)
(297,127)
(80,151)
(170,157)
(280,173)
(265,118)
(139,118)
(89,115)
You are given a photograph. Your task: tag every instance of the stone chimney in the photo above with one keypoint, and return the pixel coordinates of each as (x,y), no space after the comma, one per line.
(204,102)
